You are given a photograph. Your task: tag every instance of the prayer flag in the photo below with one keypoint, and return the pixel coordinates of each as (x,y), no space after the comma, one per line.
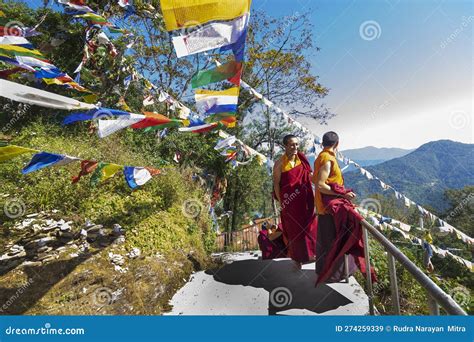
(103,172)
(137,176)
(12,151)
(45,159)
(188,13)
(211,36)
(217,101)
(231,71)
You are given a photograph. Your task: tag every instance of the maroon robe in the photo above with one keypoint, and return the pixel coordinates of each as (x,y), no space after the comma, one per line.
(271,249)
(348,238)
(298,218)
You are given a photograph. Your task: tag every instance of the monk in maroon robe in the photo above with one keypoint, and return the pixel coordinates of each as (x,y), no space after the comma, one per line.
(348,237)
(339,227)
(271,248)
(293,189)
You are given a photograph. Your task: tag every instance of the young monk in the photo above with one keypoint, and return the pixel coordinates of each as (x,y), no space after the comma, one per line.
(292,188)
(339,228)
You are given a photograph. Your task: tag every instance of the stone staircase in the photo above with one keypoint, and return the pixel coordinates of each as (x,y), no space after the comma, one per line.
(247,285)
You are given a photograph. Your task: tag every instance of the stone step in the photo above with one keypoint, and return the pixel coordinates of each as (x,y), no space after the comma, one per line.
(247,285)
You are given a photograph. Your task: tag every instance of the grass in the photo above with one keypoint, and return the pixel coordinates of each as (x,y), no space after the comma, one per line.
(153,216)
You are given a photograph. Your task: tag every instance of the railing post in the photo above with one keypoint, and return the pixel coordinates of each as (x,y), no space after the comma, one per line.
(441,297)
(393,284)
(367,271)
(346,267)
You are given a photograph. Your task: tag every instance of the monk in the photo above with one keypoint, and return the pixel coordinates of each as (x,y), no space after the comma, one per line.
(339,229)
(271,245)
(293,190)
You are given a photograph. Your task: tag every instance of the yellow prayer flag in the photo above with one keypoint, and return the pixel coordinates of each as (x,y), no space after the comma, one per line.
(20,50)
(12,151)
(234,91)
(188,13)
(109,170)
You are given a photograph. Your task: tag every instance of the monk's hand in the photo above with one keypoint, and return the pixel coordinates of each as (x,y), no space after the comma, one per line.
(350,196)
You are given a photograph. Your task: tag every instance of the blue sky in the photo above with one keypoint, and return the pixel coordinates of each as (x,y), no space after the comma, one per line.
(409,83)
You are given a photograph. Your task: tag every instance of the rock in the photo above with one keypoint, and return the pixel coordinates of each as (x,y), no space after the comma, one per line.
(16,249)
(116,259)
(37,227)
(49,227)
(24,224)
(15,252)
(65,226)
(120,269)
(94,228)
(65,235)
(44,249)
(31,263)
(120,240)
(48,258)
(84,247)
(117,230)
(134,253)
(83,234)
(39,242)
(116,294)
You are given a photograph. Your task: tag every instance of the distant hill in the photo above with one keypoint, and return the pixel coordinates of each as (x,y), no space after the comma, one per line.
(371,155)
(424,174)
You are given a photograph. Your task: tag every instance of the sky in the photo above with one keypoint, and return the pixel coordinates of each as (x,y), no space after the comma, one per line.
(400,72)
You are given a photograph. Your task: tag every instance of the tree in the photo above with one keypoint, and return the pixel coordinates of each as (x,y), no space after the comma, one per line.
(461,211)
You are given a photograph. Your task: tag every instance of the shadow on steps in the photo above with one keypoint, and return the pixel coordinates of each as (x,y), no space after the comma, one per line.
(289,288)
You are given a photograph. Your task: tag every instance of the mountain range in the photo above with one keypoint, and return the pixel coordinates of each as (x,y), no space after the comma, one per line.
(371,155)
(423,174)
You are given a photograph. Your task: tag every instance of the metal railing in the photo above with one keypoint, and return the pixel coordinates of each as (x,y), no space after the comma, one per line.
(246,239)
(436,296)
